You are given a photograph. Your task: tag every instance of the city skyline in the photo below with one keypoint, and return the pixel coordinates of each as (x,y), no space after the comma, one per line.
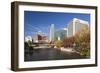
(56,36)
(40,22)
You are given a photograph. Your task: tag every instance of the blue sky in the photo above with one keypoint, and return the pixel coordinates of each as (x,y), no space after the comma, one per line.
(35,21)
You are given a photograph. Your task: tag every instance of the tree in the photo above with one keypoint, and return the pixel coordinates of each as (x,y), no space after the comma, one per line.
(29,42)
(68,41)
(58,43)
(82,38)
(82,35)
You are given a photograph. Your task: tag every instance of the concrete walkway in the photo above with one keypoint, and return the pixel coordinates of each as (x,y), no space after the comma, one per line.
(70,50)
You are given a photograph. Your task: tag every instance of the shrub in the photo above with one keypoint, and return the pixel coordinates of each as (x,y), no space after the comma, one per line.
(58,43)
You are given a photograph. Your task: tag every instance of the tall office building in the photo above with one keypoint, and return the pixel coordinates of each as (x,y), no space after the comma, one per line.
(52,32)
(61,34)
(74,25)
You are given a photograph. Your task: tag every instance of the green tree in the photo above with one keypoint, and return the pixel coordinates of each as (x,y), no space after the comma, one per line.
(29,43)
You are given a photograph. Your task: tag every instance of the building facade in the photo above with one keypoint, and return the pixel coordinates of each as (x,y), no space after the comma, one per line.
(61,34)
(40,38)
(52,32)
(74,25)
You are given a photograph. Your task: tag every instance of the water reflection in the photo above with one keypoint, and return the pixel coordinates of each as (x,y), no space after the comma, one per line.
(48,54)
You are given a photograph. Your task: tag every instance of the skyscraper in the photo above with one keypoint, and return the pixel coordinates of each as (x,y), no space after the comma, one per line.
(61,34)
(52,32)
(74,25)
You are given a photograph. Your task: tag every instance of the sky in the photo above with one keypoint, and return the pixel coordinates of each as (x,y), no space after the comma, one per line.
(35,21)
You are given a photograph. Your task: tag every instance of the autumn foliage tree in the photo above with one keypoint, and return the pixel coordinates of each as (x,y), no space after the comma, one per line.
(68,41)
(82,36)
(82,39)
(58,43)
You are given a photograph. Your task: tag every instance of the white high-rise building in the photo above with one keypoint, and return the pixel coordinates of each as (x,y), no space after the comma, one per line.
(74,25)
(52,32)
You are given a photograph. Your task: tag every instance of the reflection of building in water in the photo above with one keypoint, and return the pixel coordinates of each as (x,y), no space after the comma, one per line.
(40,38)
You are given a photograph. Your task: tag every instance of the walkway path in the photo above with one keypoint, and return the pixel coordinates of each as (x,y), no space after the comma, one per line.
(68,50)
